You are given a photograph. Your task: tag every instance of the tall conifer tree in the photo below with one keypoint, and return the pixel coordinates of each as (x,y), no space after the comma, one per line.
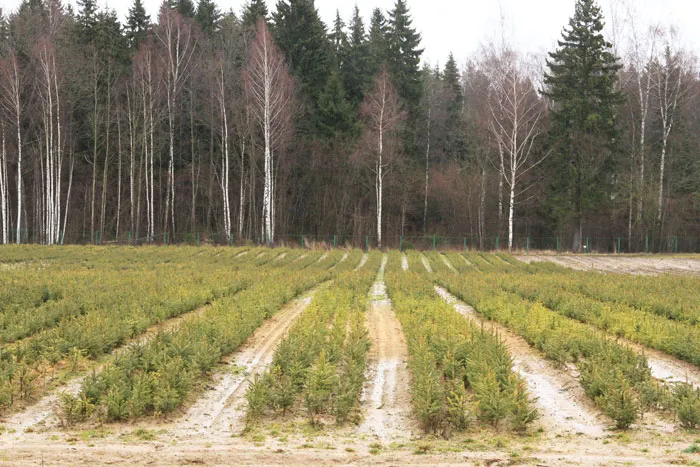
(581,85)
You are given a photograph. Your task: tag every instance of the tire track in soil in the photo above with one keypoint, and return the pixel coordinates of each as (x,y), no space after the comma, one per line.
(223,409)
(386,401)
(404,262)
(561,400)
(43,412)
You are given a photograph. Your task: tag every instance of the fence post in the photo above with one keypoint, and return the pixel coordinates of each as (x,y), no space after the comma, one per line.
(465,243)
(366,243)
(129,237)
(646,244)
(496,242)
(433,242)
(302,241)
(558,246)
(588,245)
(527,245)
(619,243)
(197,238)
(675,244)
(165,238)
(401,243)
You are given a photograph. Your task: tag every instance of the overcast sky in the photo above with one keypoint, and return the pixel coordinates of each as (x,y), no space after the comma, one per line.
(460,26)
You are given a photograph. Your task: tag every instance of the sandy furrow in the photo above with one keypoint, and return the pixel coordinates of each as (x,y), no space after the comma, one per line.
(322,258)
(345,256)
(365,256)
(560,398)
(43,412)
(448,264)
(222,410)
(386,400)
(404,262)
(426,263)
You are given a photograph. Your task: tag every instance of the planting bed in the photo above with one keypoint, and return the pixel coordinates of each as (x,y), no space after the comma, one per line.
(219,356)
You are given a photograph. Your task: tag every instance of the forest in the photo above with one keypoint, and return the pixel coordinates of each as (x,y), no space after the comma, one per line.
(266,125)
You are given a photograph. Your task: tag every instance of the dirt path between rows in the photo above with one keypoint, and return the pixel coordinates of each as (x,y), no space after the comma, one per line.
(345,256)
(223,409)
(43,412)
(426,263)
(561,400)
(448,264)
(386,400)
(365,256)
(404,262)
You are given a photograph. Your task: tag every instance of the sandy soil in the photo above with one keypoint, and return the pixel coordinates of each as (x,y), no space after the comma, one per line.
(426,263)
(222,409)
(448,264)
(642,265)
(386,401)
(563,406)
(363,260)
(345,256)
(404,262)
(43,412)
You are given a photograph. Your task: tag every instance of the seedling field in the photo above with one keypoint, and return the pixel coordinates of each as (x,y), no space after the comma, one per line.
(219,356)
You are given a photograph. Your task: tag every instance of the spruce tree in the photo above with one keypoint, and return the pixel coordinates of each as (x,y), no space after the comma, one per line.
(356,74)
(339,41)
(335,116)
(87,20)
(253,10)
(404,55)
(208,16)
(136,24)
(452,86)
(581,85)
(301,35)
(185,7)
(378,46)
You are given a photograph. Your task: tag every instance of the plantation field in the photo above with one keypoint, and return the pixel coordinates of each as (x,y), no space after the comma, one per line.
(220,356)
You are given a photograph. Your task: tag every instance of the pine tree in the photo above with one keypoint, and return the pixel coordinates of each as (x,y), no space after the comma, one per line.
(208,16)
(378,44)
(581,84)
(136,24)
(252,11)
(404,54)
(355,73)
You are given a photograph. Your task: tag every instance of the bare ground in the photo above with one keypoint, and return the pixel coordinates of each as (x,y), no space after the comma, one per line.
(345,256)
(386,401)
(448,264)
(222,410)
(426,263)
(560,398)
(642,265)
(404,262)
(363,260)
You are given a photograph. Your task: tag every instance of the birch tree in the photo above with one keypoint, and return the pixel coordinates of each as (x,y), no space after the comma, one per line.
(382,114)
(271,94)
(11,99)
(672,75)
(4,214)
(516,122)
(177,38)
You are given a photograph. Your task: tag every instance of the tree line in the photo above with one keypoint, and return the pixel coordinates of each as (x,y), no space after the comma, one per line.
(257,124)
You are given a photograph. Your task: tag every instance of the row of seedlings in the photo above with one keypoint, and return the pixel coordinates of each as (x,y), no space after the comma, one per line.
(616,378)
(460,372)
(157,376)
(124,309)
(320,365)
